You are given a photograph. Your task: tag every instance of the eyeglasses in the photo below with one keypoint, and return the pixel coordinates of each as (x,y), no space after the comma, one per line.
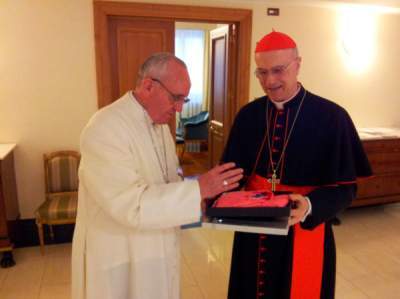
(276,71)
(175,97)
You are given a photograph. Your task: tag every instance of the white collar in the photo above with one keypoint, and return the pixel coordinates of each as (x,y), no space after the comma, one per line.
(280,105)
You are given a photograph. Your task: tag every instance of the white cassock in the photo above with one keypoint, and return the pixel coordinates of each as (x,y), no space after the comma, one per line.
(126,239)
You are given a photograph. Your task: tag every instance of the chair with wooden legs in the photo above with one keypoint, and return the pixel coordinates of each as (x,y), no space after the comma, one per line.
(61,184)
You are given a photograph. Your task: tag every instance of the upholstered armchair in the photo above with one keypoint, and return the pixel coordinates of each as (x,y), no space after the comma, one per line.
(192,129)
(61,184)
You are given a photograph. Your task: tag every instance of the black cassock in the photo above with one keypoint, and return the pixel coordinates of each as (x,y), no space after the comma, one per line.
(323,151)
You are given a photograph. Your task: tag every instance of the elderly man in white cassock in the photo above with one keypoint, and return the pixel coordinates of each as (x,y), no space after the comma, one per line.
(132,201)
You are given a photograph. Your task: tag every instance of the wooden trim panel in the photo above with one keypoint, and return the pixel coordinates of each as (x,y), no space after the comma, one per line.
(242,18)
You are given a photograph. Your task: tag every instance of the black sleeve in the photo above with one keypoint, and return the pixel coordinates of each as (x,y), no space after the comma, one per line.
(327,202)
(233,150)
(239,147)
(348,159)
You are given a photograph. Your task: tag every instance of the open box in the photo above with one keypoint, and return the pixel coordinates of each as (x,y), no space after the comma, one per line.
(265,220)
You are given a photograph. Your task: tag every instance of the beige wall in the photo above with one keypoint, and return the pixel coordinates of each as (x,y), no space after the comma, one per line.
(48,84)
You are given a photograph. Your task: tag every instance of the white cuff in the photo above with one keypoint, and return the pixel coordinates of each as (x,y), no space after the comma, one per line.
(309,209)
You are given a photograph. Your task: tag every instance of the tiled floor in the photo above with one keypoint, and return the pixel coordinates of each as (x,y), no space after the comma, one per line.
(36,276)
(368,242)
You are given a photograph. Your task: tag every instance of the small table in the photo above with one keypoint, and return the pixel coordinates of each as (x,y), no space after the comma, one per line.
(382,146)
(9,209)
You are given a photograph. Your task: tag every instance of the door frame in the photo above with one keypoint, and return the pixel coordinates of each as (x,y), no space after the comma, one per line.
(241,18)
(218,130)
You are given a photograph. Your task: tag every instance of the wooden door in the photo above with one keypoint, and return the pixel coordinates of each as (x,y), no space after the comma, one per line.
(131,41)
(219,39)
(108,12)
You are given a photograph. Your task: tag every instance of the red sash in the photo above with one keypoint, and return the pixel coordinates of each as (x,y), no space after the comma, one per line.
(308,247)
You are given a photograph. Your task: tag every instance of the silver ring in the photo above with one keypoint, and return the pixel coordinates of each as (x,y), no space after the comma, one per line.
(225,183)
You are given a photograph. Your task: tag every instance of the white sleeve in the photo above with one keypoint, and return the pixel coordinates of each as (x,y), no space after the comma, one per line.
(111,179)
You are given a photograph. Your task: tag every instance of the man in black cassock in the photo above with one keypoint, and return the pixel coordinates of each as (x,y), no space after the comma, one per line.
(292,141)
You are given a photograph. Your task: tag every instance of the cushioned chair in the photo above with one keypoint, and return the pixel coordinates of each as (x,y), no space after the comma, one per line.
(61,184)
(192,129)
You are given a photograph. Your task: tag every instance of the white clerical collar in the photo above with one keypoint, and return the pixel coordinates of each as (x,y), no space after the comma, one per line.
(145,113)
(280,105)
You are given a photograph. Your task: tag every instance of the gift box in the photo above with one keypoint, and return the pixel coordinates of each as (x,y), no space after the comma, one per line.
(250,204)
(258,211)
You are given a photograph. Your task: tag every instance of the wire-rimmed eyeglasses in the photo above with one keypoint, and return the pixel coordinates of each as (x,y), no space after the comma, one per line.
(276,71)
(175,97)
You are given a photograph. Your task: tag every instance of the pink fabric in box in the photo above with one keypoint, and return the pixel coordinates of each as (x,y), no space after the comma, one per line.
(251,199)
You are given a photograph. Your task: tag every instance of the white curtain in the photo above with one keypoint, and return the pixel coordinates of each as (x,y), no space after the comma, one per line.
(189,46)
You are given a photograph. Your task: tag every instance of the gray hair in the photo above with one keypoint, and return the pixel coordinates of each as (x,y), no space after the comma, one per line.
(296,52)
(156,65)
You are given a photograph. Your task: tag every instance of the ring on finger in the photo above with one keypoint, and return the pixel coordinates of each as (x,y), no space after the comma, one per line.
(225,182)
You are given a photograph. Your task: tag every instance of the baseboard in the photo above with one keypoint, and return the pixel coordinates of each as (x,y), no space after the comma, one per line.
(28,235)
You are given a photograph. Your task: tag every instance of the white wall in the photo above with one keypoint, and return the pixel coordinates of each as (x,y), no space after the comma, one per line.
(47,84)
(48,80)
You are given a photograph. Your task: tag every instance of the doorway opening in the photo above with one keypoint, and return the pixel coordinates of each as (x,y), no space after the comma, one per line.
(126,33)
(194,45)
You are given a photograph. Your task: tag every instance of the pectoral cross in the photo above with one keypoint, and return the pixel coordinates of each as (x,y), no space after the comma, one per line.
(274,180)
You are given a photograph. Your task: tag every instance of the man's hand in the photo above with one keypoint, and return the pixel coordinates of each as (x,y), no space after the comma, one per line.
(299,209)
(220,179)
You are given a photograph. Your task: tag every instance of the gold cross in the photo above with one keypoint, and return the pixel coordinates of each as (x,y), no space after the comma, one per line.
(274,181)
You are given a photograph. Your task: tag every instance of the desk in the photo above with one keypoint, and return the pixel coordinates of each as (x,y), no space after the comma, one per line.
(382,146)
(9,209)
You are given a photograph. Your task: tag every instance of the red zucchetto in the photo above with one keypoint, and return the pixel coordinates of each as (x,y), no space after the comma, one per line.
(275,41)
